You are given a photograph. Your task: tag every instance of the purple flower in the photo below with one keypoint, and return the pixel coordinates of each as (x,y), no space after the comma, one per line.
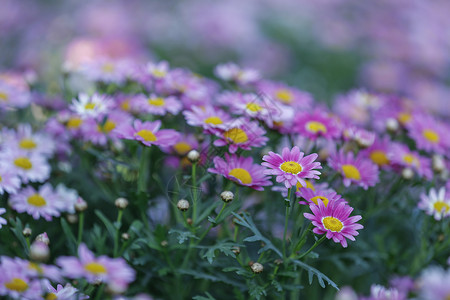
(158,105)
(313,196)
(429,134)
(316,124)
(292,166)
(434,283)
(210,118)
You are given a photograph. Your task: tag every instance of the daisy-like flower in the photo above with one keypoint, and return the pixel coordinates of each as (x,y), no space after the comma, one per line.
(313,196)
(436,204)
(98,131)
(232,72)
(9,181)
(316,124)
(378,292)
(38,204)
(429,134)
(157,70)
(66,198)
(379,152)
(15,282)
(91,106)
(67,292)
(113,271)
(292,166)
(148,133)
(210,118)
(241,170)
(434,283)
(25,140)
(358,170)
(106,70)
(401,156)
(158,105)
(13,97)
(243,134)
(334,220)
(286,95)
(28,166)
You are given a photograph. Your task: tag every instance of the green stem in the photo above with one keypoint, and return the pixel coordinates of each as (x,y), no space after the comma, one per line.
(99,294)
(116,236)
(144,169)
(313,246)
(80,228)
(302,239)
(211,225)
(28,242)
(286,220)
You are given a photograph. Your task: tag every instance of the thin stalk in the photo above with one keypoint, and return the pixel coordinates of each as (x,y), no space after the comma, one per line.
(116,236)
(194,192)
(286,220)
(80,228)
(144,169)
(313,246)
(210,225)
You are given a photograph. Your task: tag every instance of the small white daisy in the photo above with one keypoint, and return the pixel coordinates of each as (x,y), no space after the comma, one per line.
(435,203)
(91,106)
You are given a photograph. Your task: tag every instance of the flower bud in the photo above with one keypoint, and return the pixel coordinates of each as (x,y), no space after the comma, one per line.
(392,124)
(189,221)
(278,261)
(438,163)
(80,205)
(183,205)
(121,203)
(193,156)
(164,243)
(227,196)
(39,251)
(26,232)
(236,250)
(125,236)
(257,268)
(72,218)
(407,173)
(43,237)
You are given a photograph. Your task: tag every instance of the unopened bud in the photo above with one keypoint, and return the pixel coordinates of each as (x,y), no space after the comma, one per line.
(236,250)
(183,205)
(164,243)
(39,251)
(80,205)
(407,173)
(125,236)
(227,196)
(26,232)
(193,156)
(438,163)
(392,124)
(121,203)
(257,268)
(189,221)
(72,218)
(278,261)
(43,237)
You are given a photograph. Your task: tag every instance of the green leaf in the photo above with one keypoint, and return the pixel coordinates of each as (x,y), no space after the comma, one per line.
(247,221)
(183,235)
(69,235)
(210,297)
(108,224)
(224,247)
(17,228)
(239,271)
(256,290)
(312,271)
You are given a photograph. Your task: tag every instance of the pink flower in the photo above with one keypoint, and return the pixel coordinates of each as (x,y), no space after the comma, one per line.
(379,152)
(429,134)
(401,156)
(356,170)
(313,196)
(158,105)
(210,118)
(286,95)
(242,170)
(334,221)
(316,124)
(292,166)
(148,133)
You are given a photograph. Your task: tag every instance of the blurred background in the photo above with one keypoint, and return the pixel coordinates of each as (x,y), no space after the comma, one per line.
(325,47)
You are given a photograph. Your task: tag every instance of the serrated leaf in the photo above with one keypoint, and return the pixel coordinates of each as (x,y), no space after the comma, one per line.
(224,247)
(199,297)
(247,222)
(277,285)
(182,235)
(239,271)
(256,290)
(313,271)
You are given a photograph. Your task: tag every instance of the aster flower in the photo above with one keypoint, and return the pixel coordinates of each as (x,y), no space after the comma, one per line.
(312,196)
(67,292)
(378,292)
(106,70)
(232,72)
(429,134)
(379,152)
(98,131)
(286,95)
(209,118)
(9,181)
(357,170)
(91,106)
(65,198)
(402,156)
(316,124)
(148,133)
(363,137)
(242,134)
(12,97)
(241,170)
(112,271)
(157,70)
(15,283)
(334,221)
(158,105)
(436,204)
(28,166)
(292,166)
(434,283)
(25,140)
(41,203)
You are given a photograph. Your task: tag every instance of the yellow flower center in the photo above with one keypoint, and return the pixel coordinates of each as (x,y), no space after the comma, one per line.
(125,105)
(27,144)
(309,185)
(253,107)
(242,174)
(1,179)
(213,120)
(284,95)
(315,127)
(3,96)
(441,206)
(51,296)
(108,126)
(182,148)
(411,159)
(332,224)
(350,171)
(36,200)
(108,68)
(431,136)
(89,106)
(23,162)
(158,73)
(74,123)
(36,267)
(236,135)
(324,200)
(291,167)
(404,117)
(156,101)
(147,135)
(17,284)
(379,157)
(95,268)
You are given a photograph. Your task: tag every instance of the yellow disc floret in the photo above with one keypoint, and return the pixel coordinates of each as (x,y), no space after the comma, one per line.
(147,135)
(95,268)
(242,174)
(431,136)
(36,200)
(332,224)
(351,172)
(291,167)
(23,162)
(213,120)
(236,135)
(316,127)
(17,284)
(27,144)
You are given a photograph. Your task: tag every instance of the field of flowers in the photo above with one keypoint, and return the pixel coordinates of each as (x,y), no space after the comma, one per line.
(224,150)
